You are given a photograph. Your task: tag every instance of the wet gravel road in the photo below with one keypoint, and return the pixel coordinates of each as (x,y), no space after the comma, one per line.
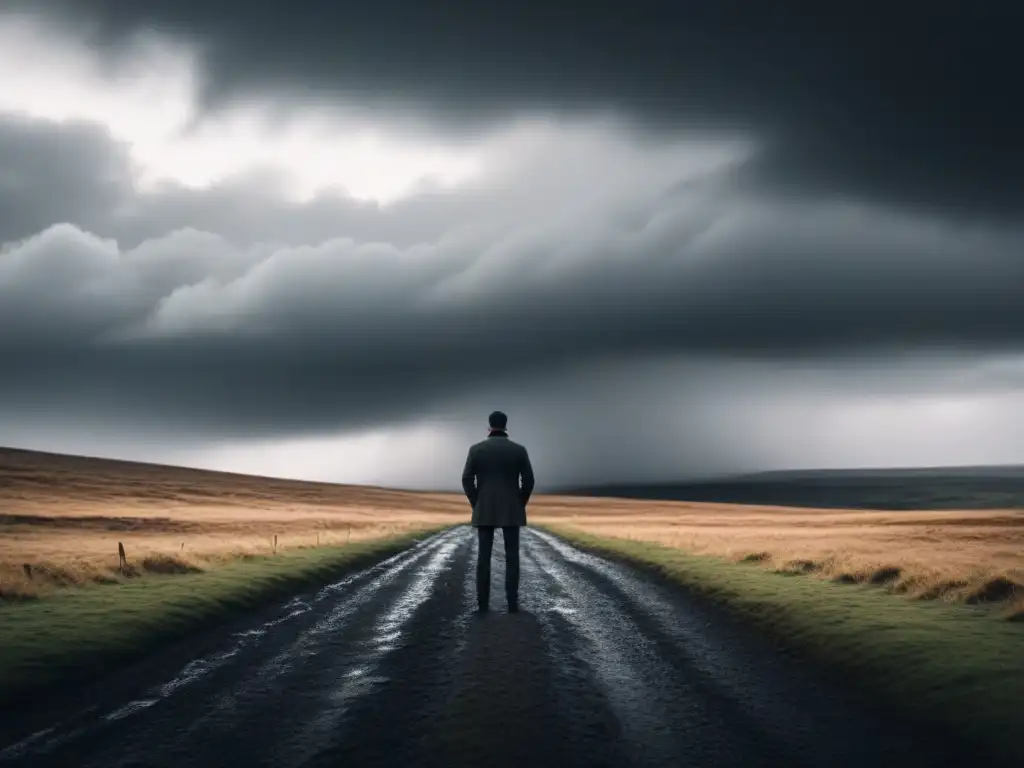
(389,666)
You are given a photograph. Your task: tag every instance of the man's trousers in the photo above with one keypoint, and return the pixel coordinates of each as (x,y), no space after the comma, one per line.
(485,535)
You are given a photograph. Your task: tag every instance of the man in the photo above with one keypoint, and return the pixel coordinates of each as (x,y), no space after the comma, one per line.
(491,481)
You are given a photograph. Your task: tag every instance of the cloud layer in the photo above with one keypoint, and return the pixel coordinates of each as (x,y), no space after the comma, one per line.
(678,261)
(910,103)
(680,248)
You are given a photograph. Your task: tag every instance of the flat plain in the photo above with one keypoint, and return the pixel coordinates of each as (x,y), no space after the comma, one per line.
(64,516)
(204,592)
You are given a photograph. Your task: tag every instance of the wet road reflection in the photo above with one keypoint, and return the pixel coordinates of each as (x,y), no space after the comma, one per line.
(389,666)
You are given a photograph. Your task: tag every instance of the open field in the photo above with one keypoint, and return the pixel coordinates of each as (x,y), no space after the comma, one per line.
(815,580)
(966,556)
(64,516)
(77,634)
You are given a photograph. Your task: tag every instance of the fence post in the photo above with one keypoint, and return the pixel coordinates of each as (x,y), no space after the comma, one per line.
(28,570)
(121,558)
(348,540)
(183,546)
(275,543)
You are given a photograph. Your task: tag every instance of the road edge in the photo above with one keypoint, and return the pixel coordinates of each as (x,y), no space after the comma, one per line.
(82,664)
(957,708)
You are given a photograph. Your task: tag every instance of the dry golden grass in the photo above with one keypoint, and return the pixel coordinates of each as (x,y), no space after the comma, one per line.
(970,556)
(65,515)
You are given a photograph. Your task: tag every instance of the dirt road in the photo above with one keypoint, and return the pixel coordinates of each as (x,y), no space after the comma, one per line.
(389,666)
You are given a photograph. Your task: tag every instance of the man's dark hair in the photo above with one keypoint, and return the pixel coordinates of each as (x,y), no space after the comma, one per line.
(497,420)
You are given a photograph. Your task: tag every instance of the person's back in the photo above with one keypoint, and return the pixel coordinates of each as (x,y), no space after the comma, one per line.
(491,480)
(498,464)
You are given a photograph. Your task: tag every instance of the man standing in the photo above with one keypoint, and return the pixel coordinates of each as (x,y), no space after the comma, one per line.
(491,481)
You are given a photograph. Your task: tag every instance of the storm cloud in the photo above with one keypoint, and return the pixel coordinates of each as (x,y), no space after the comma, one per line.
(667,242)
(910,102)
(219,330)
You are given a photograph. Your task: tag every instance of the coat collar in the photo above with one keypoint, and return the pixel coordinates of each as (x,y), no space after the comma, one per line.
(497,433)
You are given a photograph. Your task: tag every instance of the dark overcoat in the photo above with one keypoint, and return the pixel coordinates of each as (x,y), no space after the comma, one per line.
(491,480)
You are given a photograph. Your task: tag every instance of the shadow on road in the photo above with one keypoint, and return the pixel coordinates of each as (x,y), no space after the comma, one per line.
(502,710)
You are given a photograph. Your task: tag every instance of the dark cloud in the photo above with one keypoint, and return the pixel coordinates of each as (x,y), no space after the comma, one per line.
(51,172)
(194,332)
(642,312)
(911,102)
(76,172)
(632,419)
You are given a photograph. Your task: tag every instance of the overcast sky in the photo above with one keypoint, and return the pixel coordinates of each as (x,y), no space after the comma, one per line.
(669,239)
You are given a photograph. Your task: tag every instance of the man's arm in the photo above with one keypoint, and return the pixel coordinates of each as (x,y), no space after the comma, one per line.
(526,471)
(469,479)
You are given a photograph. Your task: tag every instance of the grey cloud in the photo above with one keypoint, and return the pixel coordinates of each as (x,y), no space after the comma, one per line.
(910,102)
(652,419)
(151,320)
(52,172)
(76,172)
(635,420)
(193,330)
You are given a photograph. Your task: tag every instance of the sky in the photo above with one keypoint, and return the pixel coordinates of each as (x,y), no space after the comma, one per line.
(669,240)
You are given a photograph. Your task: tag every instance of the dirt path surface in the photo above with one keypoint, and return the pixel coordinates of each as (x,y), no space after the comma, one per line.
(389,666)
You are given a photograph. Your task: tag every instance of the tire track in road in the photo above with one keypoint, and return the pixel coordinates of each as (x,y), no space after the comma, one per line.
(325,662)
(657,711)
(390,667)
(383,673)
(203,701)
(719,690)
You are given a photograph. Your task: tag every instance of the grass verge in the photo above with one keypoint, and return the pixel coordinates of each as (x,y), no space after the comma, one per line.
(76,635)
(945,664)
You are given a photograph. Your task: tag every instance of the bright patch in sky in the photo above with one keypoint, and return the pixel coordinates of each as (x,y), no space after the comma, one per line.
(149,102)
(418,454)
(147,98)
(935,430)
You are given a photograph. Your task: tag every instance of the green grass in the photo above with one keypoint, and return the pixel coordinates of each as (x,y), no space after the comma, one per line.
(75,635)
(952,666)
